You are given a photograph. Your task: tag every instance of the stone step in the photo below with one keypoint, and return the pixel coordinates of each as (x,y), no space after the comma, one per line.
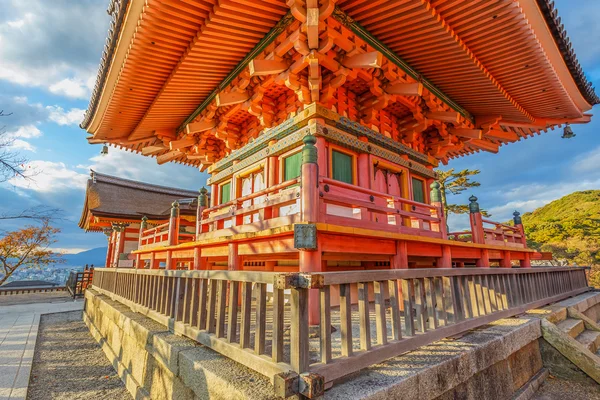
(590,339)
(572,327)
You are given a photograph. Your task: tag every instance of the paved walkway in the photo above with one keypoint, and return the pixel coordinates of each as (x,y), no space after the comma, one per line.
(19,326)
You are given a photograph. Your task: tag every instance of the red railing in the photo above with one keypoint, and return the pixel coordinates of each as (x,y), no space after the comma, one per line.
(262,208)
(502,234)
(350,205)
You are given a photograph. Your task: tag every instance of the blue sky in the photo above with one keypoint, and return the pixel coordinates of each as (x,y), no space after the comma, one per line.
(49,54)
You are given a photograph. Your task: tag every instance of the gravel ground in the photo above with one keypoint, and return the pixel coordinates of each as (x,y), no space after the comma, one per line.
(69,364)
(561,389)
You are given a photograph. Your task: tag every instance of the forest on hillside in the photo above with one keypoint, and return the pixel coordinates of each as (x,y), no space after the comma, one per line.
(569,228)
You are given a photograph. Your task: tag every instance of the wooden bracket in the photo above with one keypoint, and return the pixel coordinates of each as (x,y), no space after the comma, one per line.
(196,127)
(266,67)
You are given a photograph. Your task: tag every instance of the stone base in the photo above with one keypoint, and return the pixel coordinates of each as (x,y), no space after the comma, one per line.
(502,360)
(156,364)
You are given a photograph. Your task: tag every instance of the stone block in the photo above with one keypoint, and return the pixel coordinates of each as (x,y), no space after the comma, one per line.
(211,375)
(134,358)
(165,348)
(163,384)
(525,363)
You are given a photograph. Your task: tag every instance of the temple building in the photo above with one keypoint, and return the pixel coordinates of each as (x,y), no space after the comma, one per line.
(121,207)
(321,124)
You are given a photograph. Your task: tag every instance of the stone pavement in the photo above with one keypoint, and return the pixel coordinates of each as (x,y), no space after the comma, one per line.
(19,326)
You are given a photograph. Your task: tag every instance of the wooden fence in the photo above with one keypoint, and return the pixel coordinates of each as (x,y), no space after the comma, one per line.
(366,317)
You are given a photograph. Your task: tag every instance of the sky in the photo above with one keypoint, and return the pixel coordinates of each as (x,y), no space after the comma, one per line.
(49,55)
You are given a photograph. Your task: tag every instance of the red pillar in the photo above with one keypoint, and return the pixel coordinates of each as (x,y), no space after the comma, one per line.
(109,249)
(202,205)
(310,260)
(174,225)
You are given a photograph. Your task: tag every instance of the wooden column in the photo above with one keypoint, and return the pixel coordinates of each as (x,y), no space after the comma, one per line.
(310,260)
(143,227)
(363,170)
(526,261)
(109,235)
(202,205)
(435,197)
(233,260)
(400,260)
(484,260)
(445,261)
(121,244)
(322,156)
(271,167)
(174,225)
(476,221)
(214,195)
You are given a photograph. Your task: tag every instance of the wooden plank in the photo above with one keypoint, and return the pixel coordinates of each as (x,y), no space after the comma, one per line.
(325,339)
(421,305)
(233,312)
(193,308)
(201,126)
(221,304)
(394,292)
(261,319)
(246,310)
(230,98)
(432,303)
(380,321)
(405,89)
(170,156)
(346,320)
(363,315)
(203,299)
(408,289)
(212,298)
(299,357)
(266,67)
(441,301)
(372,59)
(149,150)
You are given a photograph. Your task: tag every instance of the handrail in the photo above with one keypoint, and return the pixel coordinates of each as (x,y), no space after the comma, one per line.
(373,192)
(251,196)
(512,228)
(424,305)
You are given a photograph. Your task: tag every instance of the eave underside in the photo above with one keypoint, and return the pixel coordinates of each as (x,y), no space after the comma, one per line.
(483,55)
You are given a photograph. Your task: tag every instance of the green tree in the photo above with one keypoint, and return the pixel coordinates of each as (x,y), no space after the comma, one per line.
(456,183)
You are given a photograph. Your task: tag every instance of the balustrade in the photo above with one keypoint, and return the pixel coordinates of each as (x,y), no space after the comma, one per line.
(230,312)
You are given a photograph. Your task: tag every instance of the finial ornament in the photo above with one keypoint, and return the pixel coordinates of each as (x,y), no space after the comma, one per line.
(436,194)
(144,222)
(203,198)
(474,205)
(309,152)
(175,209)
(517,218)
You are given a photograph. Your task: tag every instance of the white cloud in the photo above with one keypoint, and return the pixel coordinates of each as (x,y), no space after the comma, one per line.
(25,132)
(62,117)
(19,144)
(588,162)
(75,88)
(39,49)
(51,177)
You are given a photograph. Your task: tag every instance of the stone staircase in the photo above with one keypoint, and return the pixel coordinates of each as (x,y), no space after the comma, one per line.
(575,335)
(576,329)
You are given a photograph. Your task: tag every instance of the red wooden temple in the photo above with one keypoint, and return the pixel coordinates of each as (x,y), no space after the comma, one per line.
(321,122)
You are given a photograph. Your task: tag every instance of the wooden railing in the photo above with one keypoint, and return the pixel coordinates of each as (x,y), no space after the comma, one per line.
(78,282)
(502,234)
(228,311)
(352,205)
(159,235)
(256,207)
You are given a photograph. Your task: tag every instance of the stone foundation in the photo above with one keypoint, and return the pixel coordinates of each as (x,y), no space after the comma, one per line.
(502,360)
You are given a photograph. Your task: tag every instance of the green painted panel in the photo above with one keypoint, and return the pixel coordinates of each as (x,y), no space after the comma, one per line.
(292,166)
(418,190)
(225,192)
(341,164)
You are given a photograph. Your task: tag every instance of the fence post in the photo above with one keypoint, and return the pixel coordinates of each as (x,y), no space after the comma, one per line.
(143,227)
(436,200)
(174,225)
(526,261)
(476,221)
(202,205)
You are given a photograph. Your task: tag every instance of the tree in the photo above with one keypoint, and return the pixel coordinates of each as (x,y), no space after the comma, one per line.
(28,247)
(456,183)
(12,164)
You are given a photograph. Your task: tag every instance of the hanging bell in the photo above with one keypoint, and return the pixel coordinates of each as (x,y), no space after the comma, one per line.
(568,132)
(104,150)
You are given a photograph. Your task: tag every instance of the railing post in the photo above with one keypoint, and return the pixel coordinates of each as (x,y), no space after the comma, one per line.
(202,205)
(526,261)
(476,221)
(143,227)
(310,180)
(174,225)
(299,356)
(436,200)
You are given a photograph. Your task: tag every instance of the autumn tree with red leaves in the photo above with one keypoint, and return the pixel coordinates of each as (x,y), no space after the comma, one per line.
(28,247)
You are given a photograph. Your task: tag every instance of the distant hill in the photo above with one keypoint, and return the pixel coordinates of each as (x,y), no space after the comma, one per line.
(568,227)
(95,256)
